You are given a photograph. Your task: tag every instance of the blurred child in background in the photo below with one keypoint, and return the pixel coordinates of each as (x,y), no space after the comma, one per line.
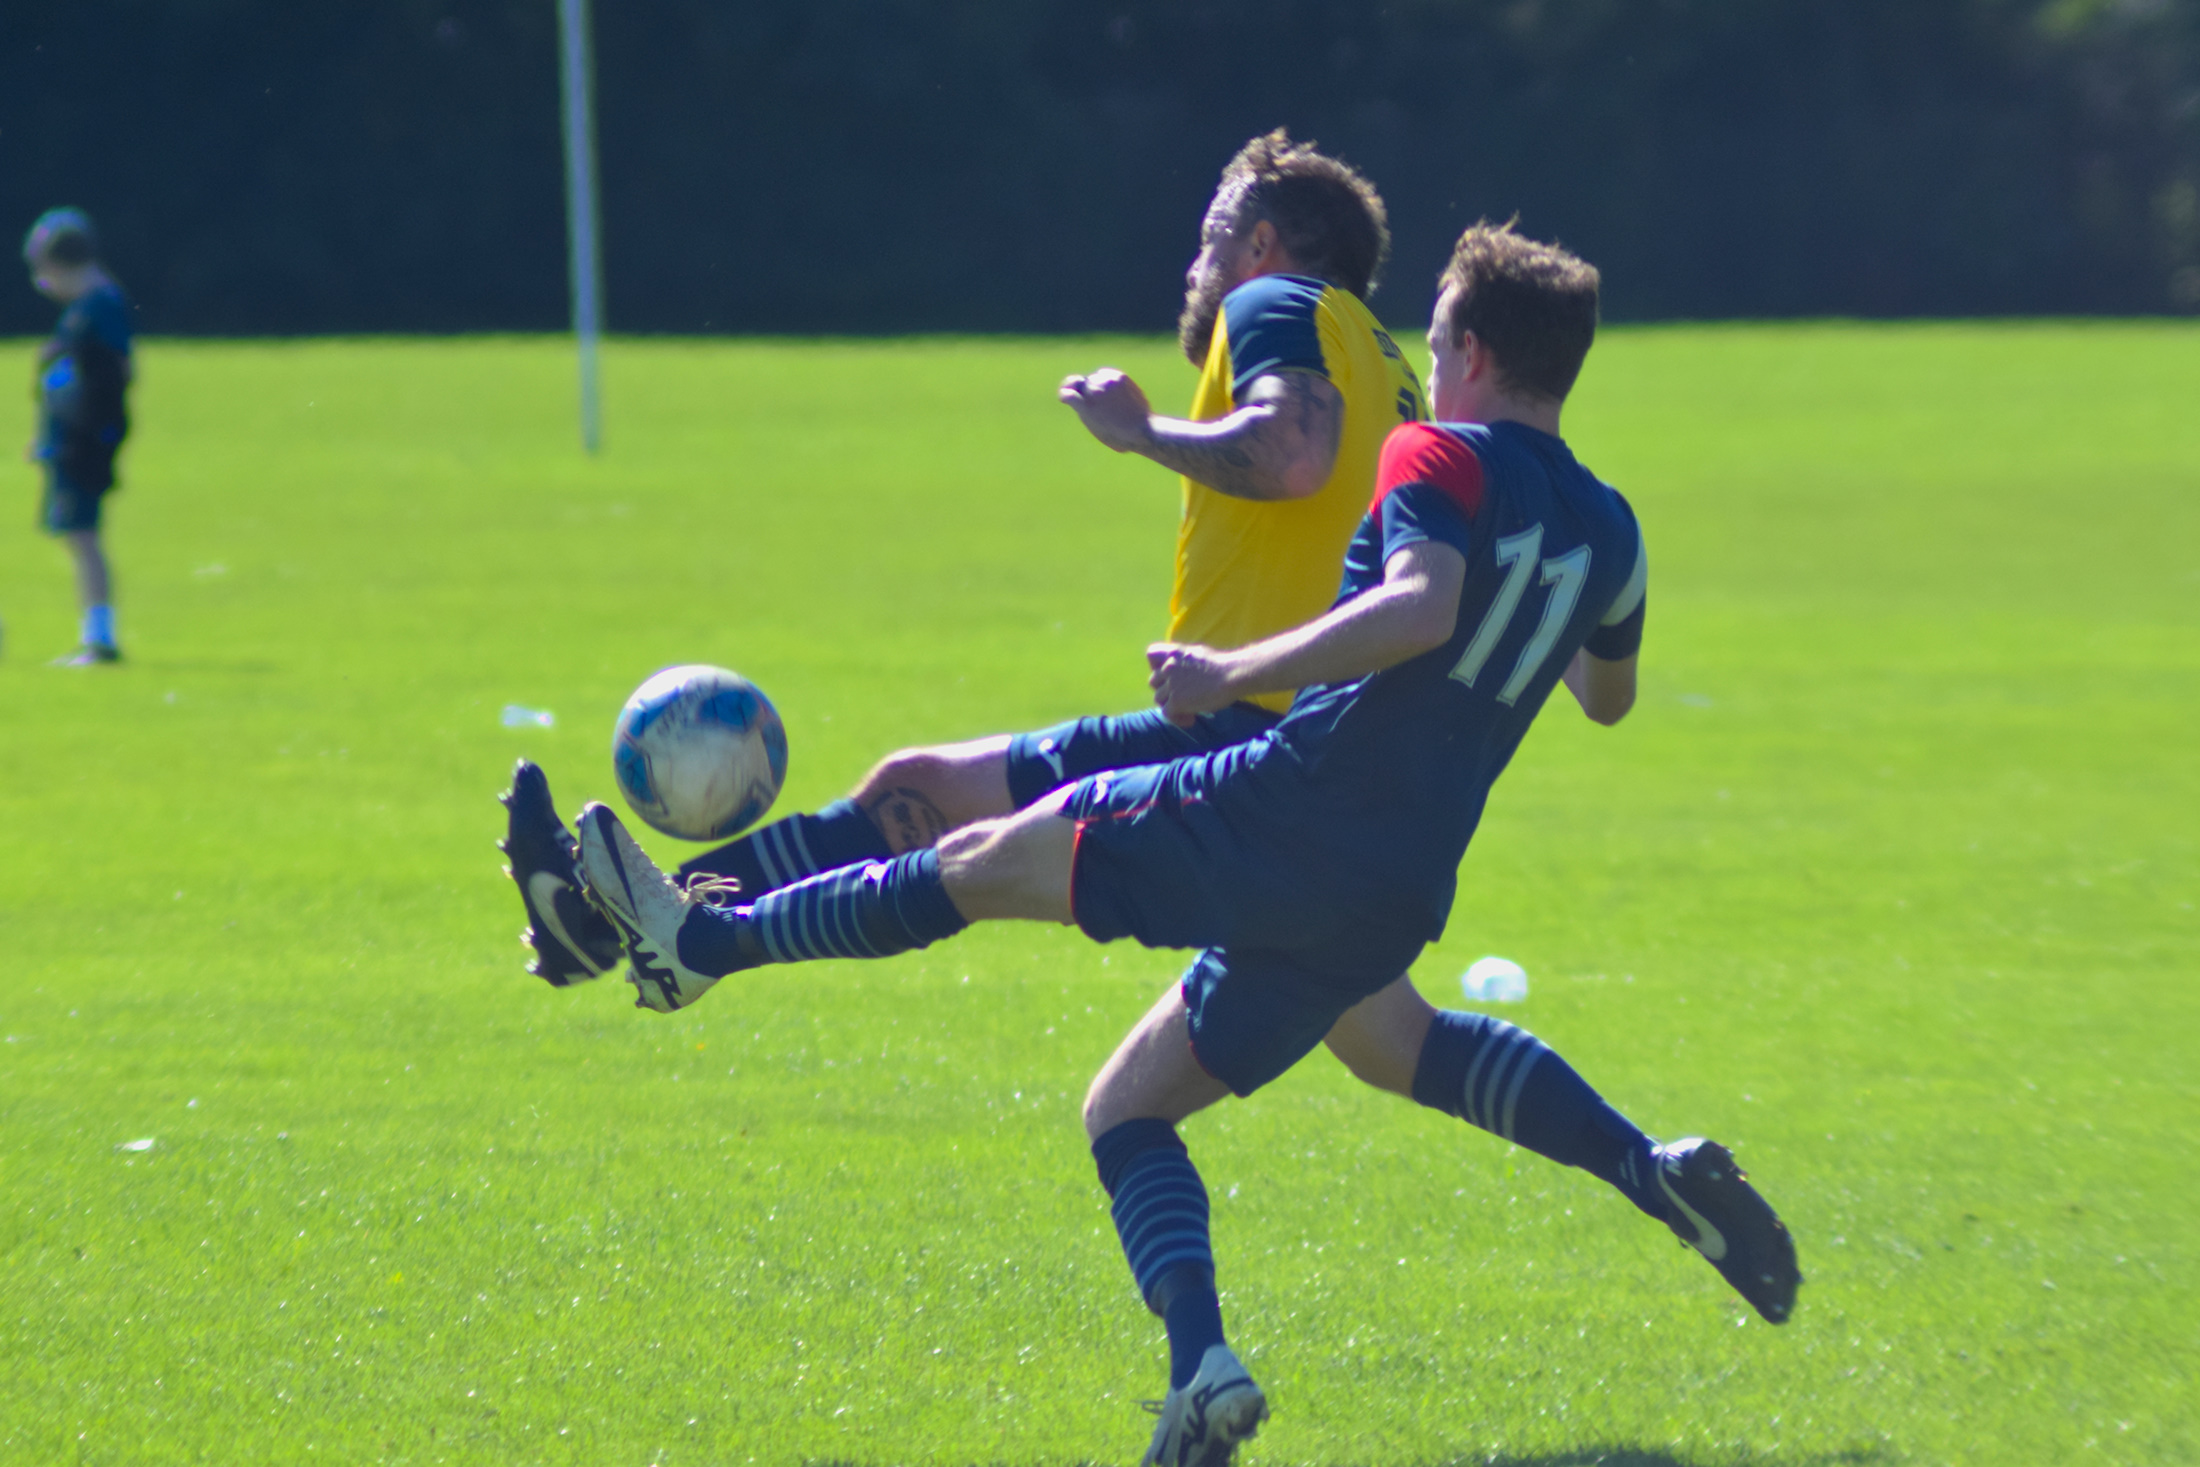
(84,375)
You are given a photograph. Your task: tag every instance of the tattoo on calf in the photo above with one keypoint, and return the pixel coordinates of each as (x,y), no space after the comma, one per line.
(908,820)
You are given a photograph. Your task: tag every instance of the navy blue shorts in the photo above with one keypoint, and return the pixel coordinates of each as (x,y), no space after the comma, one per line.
(1040,763)
(1218,852)
(67,508)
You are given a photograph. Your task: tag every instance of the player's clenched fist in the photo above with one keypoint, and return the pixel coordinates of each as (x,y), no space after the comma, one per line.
(1112,407)
(1188,681)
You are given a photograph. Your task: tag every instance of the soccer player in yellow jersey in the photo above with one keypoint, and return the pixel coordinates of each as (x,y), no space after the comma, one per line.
(1299,384)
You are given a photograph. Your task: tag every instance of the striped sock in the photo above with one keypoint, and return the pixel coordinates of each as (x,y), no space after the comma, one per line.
(869,911)
(785,851)
(1502,1078)
(1160,1209)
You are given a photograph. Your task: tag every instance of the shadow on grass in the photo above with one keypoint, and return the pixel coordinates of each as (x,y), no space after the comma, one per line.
(1624,1456)
(1597,1456)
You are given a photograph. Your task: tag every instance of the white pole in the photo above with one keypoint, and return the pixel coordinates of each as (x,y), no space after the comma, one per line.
(576,70)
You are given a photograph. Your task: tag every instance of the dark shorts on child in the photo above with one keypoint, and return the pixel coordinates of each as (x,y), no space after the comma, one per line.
(68,507)
(1235,853)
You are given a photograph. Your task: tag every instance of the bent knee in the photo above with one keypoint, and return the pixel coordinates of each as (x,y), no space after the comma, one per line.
(915,769)
(956,783)
(1105,1108)
(1012,867)
(1380,1038)
(968,842)
(1351,1051)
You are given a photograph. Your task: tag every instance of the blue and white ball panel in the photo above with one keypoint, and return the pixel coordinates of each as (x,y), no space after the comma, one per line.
(699,752)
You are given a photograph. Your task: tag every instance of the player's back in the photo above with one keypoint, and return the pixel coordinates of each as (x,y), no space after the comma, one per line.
(1554,561)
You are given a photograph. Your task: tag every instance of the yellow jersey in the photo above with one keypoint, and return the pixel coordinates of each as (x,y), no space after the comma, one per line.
(1247,569)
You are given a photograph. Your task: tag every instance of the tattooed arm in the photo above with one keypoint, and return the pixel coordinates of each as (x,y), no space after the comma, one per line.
(1280,443)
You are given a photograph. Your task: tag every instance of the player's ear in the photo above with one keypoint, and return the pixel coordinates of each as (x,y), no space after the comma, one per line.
(1260,243)
(1479,361)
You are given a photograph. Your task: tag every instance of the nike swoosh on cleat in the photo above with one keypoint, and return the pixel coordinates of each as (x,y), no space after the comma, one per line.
(542,891)
(1710,1242)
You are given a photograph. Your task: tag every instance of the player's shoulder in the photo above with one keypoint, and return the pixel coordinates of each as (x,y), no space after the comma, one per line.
(1545,470)
(1266,298)
(1441,456)
(1272,324)
(1511,449)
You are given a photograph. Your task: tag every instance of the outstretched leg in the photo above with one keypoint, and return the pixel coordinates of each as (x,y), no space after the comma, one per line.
(912,798)
(901,806)
(1503,1079)
(679,943)
(1499,1077)
(908,801)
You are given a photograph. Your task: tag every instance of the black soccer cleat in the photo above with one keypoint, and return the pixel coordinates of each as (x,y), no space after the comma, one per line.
(572,941)
(1712,1208)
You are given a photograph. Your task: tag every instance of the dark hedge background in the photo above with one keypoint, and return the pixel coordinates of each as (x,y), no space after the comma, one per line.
(900,165)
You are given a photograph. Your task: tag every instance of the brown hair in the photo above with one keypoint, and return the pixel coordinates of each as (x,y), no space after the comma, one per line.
(1326,214)
(1533,305)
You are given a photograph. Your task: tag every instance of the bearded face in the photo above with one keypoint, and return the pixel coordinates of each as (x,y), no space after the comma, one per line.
(1218,270)
(1195,324)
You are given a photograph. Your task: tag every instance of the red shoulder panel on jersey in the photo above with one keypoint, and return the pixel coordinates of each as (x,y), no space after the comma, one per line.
(1423,453)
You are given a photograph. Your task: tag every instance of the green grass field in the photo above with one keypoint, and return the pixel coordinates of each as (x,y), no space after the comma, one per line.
(1889,882)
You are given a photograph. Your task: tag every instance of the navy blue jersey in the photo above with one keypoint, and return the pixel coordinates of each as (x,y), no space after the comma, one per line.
(1555,562)
(83,372)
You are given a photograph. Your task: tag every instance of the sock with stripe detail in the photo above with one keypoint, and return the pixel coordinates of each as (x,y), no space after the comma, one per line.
(786,851)
(1502,1078)
(873,910)
(1160,1209)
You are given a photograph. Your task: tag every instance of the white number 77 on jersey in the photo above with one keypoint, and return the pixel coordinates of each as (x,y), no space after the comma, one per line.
(1564,573)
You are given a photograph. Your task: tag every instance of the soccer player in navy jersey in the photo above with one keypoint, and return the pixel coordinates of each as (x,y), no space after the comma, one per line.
(84,371)
(1311,862)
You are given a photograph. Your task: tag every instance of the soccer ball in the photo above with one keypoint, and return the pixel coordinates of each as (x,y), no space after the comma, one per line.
(699,752)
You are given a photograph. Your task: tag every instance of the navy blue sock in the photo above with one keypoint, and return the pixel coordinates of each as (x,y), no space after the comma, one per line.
(1502,1078)
(785,851)
(1160,1208)
(869,911)
(1192,1314)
